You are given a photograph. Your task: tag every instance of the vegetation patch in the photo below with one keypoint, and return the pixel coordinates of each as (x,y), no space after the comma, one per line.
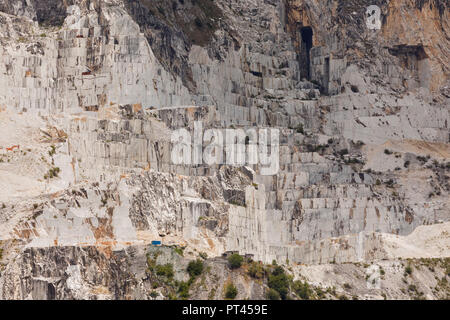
(235,261)
(256,270)
(52,173)
(179,251)
(279,282)
(302,290)
(195,268)
(230,291)
(165,270)
(273,295)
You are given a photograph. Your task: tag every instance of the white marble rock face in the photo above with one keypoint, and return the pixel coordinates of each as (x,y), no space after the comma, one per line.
(364,139)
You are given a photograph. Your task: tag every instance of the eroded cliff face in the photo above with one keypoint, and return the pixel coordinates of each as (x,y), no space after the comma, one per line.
(408,52)
(91,92)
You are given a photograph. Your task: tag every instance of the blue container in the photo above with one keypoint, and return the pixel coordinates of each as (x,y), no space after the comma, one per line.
(156,243)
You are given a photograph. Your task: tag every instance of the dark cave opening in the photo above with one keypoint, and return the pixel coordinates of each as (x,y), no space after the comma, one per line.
(327,76)
(305,61)
(51,292)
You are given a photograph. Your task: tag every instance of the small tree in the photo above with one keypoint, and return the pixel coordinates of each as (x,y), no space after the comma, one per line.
(230,291)
(235,261)
(279,281)
(195,268)
(273,295)
(302,289)
(256,270)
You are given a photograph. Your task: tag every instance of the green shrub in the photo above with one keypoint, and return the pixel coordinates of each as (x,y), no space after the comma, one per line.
(172,296)
(408,269)
(279,281)
(52,150)
(183,290)
(235,261)
(302,289)
(195,268)
(52,173)
(278,271)
(273,295)
(320,293)
(180,251)
(230,291)
(165,270)
(447,266)
(256,270)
